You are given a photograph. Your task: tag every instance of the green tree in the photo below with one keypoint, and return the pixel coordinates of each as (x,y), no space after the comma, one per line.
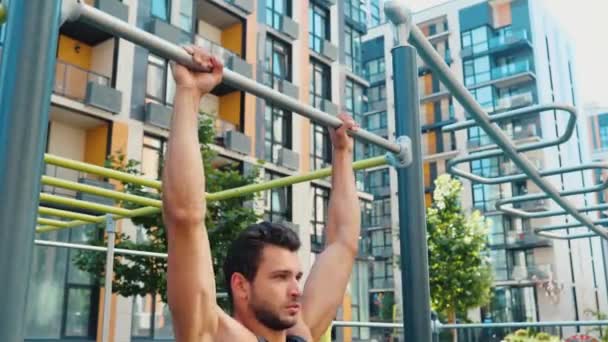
(460,274)
(136,275)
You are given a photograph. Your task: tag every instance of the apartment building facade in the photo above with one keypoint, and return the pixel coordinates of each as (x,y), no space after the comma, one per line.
(510,55)
(111,97)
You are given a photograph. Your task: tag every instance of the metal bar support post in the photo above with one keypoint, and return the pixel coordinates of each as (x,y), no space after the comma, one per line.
(26,74)
(412,218)
(107,297)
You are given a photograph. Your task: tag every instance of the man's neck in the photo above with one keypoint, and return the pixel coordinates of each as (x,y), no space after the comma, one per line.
(261,330)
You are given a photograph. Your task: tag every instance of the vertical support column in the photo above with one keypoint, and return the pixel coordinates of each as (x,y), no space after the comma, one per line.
(107,298)
(26,74)
(412,218)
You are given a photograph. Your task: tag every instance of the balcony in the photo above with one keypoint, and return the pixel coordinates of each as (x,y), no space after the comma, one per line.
(509,168)
(511,74)
(499,44)
(531,273)
(424,69)
(247,6)
(231,61)
(536,205)
(87,87)
(429,121)
(356,17)
(382,252)
(229,136)
(525,131)
(90,34)
(525,240)
(513,102)
(375,78)
(433,144)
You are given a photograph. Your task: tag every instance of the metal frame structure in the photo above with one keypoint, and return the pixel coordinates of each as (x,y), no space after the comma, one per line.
(20,94)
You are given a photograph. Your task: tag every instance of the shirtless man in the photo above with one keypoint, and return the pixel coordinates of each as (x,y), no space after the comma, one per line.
(262,269)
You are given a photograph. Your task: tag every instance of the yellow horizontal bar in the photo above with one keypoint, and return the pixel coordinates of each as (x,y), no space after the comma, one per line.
(83,204)
(101,171)
(66,214)
(50,222)
(95,190)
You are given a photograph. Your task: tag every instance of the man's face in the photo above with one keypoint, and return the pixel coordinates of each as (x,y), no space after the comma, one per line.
(275,290)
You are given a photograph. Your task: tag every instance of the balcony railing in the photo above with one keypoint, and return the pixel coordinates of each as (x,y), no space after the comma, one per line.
(215,49)
(383,283)
(526,239)
(429,118)
(503,40)
(531,273)
(511,69)
(514,101)
(71,80)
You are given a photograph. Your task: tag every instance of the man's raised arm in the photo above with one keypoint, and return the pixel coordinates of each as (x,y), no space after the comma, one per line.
(326,284)
(191,281)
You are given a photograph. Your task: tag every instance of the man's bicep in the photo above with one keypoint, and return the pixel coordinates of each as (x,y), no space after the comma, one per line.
(325,288)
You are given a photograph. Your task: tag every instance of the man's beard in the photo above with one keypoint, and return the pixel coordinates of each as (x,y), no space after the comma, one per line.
(269,318)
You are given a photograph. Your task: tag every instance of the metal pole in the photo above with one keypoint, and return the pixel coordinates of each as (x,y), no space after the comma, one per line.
(26,81)
(466,99)
(171,51)
(412,218)
(99,248)
(474,325)
(107,298)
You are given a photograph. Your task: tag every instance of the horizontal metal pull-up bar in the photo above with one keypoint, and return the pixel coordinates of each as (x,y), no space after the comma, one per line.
(388,325)
(218,196)
(165,49)
(45,211)
(99,248)
(437,64)
(549,231)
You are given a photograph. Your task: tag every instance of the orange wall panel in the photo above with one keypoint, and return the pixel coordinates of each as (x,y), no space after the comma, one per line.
(502,15)
(74,52)
(232,38)
(230,108)
(95,145)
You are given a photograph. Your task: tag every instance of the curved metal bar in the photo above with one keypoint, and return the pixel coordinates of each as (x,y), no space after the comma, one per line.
(539,196)
(522,148)
(567,226)
(566,237)
(547,231)
(549,213)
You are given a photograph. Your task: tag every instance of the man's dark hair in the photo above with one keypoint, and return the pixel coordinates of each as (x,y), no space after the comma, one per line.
(245,252)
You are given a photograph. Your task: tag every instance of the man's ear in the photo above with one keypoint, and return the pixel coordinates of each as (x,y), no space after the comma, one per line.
(240,286)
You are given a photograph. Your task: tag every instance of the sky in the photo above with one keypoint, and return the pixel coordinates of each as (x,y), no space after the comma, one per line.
(586,23)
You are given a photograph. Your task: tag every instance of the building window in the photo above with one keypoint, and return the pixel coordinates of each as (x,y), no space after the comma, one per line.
(377,181)
(318,25)
(354,106)
(277,202)
(353,10)
(152,155)
(382,274)
(275,11)
(477,70)
(320,156)
(499,226)
(498,261)
(476,40)
(485,196)
(375,121)
(381,243)
(320,206)
(277,135)
(375,70)
(485,98)
(374,13)
(278,60)
(62,300)
(160,85)
(603,130)
(186,9)
(161,8)
(376,97)
(320,83)
(512,304)
(151,318)
(381,212)
(352,49)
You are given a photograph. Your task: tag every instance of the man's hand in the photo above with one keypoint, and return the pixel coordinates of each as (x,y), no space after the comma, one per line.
(199,82)
(340,140)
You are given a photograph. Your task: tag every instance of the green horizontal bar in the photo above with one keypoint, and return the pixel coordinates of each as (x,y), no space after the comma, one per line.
(94,190)
(231,193)
(285,181)
(83,204)
(50,222)
(101,171)
(66,214)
